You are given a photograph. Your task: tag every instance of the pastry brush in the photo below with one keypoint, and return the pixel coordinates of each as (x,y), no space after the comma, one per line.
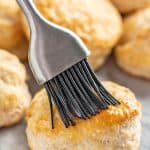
(58,60)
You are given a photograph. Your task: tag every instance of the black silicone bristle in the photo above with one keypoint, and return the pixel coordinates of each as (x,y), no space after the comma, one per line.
(77,93)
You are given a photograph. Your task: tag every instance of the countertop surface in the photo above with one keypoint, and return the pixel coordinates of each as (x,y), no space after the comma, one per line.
(14,138)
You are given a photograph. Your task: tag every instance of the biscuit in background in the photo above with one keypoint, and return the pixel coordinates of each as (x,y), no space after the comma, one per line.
(14,93)
(97,23)
(11,33)
(118,127)
(21,50)
(133,51)
(126,6)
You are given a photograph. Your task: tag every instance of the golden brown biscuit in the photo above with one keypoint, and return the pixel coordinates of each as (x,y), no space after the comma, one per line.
(14,94)
(21,50)
(126,6)
(10,29)
(118,127)
(96,22)
(133,51)
(11,33)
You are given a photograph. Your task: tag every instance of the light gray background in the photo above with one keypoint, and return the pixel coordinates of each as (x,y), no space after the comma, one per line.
(14,138)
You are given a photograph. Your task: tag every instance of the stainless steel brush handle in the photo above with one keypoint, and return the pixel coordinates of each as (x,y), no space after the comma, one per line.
(53,49)
(31,12)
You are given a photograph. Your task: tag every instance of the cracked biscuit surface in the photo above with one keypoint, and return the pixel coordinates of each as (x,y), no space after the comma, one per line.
(97,23)
(133,51)
(14,93)
(118,127)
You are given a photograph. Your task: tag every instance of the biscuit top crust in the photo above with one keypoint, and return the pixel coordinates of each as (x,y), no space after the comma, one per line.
(97,22)
(12,70)
(14,93)
(39,119)
(134,45)
(132,23)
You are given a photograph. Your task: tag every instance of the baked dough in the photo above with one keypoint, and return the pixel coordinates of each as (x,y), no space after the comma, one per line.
(11,33)
(133,51)
(97,22)
(21,50)
(126,6)
(118,127)
(10,28)
(14,94)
